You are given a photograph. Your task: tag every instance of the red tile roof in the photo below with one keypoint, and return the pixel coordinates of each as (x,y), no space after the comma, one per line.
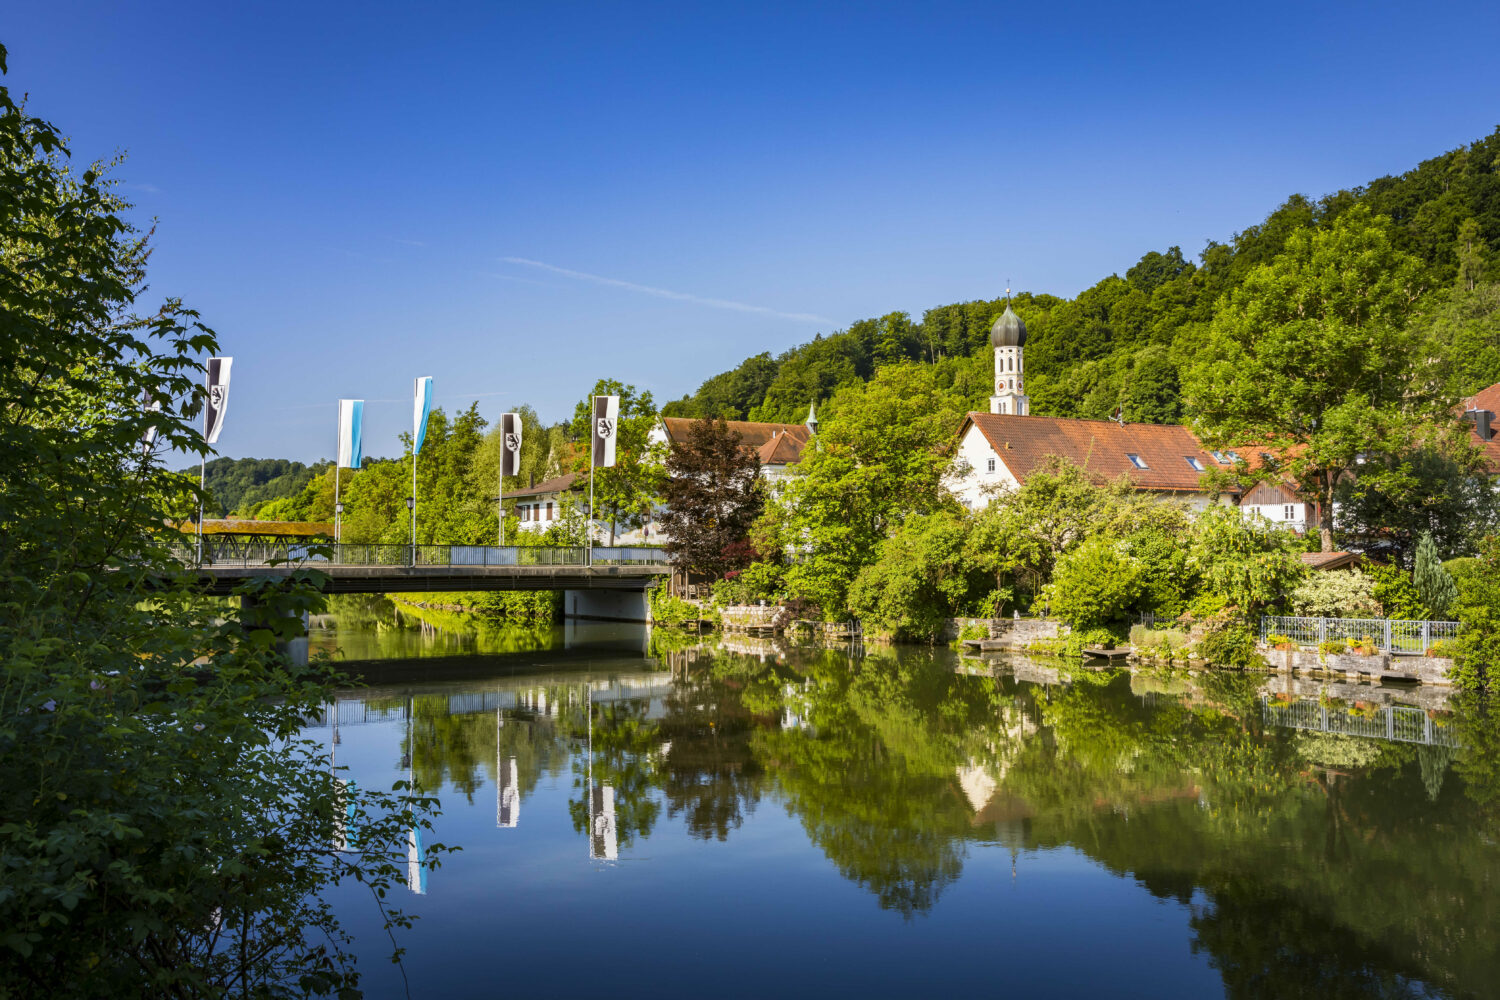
(1487,399)
(1100,446)
(776,444)
(559,484)
(1330,560)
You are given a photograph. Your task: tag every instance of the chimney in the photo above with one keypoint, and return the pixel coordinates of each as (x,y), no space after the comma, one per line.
(533,480)
(1481,421)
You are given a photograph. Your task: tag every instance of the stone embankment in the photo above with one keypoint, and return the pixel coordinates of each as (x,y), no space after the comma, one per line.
(1383,666)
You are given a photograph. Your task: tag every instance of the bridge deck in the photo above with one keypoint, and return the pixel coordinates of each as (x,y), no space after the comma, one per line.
(377,569)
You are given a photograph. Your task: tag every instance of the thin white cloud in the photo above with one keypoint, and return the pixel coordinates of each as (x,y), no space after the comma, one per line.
(409,243)
(665,293)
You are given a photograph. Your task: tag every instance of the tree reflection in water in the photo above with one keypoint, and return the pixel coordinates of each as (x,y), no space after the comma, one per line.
(1315,864)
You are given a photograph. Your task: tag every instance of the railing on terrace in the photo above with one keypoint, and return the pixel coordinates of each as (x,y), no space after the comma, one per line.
(1392,635)
(247,554)
(1401,723)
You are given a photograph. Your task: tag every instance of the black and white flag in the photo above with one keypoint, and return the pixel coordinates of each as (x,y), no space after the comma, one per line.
(510,444)
(148,436)
(606,430)
(218,398)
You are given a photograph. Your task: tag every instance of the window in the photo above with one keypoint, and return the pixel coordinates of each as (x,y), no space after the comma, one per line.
(1289,513)
(1138,461)
(524,512)
(549,510)
(1234,456)
(1197,465)
(1219,457)
(991,466)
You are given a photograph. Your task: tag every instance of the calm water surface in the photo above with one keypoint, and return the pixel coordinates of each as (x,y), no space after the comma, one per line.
(645,817)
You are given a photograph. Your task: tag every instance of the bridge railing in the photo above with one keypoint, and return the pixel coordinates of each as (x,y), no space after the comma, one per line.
(248,554)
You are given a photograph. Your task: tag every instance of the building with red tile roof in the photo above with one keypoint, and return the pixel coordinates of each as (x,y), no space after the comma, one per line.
(1482,410)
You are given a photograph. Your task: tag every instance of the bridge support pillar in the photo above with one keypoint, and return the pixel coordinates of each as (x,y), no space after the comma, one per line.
(289,626)
(607,605)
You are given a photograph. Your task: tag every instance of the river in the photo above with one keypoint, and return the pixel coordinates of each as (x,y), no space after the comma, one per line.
(643,814)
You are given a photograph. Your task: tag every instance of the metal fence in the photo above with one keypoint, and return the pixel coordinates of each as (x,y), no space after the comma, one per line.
(244,554)
(1401,723)
(1392,635)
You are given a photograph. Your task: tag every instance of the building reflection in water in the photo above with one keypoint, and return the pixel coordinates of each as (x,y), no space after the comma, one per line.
(507,782)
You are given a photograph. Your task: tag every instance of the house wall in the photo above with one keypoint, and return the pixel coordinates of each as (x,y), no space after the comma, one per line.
(972,481)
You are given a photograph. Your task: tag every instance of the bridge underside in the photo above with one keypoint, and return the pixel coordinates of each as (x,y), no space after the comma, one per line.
(222,580)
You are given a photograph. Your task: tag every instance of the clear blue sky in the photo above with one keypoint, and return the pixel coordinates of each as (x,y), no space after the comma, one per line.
(357,194)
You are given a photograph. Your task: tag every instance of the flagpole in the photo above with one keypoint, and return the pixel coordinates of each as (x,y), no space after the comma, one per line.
(203,466)
(414,500)
(589,528)
(338,512)
(500,501)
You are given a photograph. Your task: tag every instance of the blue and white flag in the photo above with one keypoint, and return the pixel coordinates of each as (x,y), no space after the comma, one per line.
(351,433)
(421,407)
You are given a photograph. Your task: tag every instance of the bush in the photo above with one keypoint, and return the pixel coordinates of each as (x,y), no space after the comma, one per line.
(1231,645)
(1336,594)
(1395,593)
(669,610)
(1095,584)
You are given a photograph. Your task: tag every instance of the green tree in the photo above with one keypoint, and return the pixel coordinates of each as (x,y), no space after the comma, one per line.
(923,575)
(1432,581)
(1095,584)
(1312,357)
(878,460)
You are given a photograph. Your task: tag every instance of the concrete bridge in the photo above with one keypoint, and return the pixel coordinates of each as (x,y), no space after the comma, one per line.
(603,582)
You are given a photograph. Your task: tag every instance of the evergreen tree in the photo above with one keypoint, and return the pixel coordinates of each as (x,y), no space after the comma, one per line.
(1434,584)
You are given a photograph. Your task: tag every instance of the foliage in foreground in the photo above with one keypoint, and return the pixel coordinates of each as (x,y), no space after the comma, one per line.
(163,831)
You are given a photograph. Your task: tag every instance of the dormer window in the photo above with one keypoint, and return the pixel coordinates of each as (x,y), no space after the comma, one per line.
(1138,461)
(1197,465)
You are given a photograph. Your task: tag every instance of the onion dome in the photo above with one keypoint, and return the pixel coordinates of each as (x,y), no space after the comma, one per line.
(1008,330)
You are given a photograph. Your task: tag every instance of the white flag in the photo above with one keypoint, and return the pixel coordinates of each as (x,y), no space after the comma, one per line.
(218,398)
(606,430)
(351,433)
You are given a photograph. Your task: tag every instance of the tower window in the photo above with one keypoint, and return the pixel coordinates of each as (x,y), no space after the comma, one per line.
(991,465)
(1138,461)
(1197,465)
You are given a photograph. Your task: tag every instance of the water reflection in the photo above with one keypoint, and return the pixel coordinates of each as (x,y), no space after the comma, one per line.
(1328,840)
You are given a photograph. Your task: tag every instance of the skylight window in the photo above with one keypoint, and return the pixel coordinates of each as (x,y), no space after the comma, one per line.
(1197,465)
(1234,456)
(1138,461)
(1219,457)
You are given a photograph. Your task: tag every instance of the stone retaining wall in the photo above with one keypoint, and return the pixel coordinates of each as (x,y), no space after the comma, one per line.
(1427,669)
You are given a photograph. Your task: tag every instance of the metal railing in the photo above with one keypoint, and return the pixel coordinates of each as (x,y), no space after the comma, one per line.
(1399,723)
(243,554)
(1391,635)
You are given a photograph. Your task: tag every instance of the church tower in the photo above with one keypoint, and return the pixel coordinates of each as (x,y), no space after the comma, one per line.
(1008,336)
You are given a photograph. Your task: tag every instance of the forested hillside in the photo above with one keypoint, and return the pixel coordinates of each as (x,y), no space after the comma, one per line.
(238,484)
(1125,340)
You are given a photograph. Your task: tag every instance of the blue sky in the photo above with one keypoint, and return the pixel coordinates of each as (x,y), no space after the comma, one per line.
(518,199)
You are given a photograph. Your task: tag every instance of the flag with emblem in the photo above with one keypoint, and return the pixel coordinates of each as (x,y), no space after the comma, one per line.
(510,444)
(606,430)
(218,398)
(421,410)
